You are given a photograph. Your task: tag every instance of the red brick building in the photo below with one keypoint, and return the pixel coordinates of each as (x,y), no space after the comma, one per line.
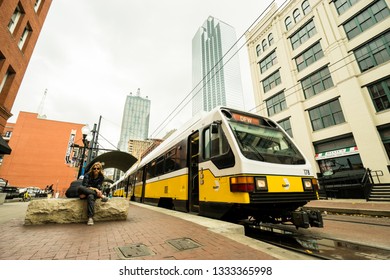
(42,152)
(21,22)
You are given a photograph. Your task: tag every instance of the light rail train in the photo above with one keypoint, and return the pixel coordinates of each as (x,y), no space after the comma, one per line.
(227,164)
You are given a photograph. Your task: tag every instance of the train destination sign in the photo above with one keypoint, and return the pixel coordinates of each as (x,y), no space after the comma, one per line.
(246,119)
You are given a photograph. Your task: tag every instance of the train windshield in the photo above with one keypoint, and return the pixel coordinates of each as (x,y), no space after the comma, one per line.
(263,141)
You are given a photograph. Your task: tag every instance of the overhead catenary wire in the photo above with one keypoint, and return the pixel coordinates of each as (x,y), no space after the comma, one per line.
(174,111)
(259,106)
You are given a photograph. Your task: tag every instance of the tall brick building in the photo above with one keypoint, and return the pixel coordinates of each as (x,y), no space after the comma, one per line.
(21,22)
(42,152)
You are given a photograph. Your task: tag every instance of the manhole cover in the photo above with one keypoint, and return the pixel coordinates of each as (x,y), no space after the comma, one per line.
(134,251)
(182,244)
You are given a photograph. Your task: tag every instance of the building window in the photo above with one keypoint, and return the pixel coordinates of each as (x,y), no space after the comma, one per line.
(37,5)
(2,59)
(8,134)
(343,5)
(380,94)
(296,15)
(258,50)
(306,7)
(268,62)
(384,132)
(276,104)
(317,82)
(367,18)
(310,56)
(286,125)
(270,39)
(25,35)
(7,79)
(271,81)
(288,23)
(326,115)
(374,52)
(264,44)
(303,34)
(15,18)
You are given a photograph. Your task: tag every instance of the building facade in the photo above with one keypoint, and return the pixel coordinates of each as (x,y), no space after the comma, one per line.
(138,148)
(135,120)
(216,76)
(321,69)
(21,22)
(43,152)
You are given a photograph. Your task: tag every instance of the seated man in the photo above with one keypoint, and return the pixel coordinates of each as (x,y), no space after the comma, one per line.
(91,189)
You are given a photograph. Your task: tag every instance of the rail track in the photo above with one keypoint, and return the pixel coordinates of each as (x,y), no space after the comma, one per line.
(325,248)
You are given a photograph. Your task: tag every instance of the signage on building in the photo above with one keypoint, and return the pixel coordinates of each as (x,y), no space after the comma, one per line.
(69,147)
(337,153)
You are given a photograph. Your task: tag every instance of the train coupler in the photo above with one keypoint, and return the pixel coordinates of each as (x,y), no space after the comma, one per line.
(307,218)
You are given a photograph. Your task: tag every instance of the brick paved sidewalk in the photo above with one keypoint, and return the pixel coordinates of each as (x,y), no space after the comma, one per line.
(101,241)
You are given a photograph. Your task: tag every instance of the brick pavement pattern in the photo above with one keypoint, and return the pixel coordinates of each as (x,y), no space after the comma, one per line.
(100,242)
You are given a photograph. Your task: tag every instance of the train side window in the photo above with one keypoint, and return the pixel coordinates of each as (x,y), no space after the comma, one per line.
(181,155)
(160,166)
(170,160)
(138,177)
(207,144)
(151,170)
(215,143)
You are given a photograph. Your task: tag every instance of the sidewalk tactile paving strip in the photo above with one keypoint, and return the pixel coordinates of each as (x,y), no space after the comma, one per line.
(182,244)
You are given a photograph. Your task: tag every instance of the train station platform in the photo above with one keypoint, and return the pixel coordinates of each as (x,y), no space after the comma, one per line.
(148,233)
(351,207)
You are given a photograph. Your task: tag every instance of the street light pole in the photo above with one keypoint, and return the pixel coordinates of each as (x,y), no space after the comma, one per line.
(85,131)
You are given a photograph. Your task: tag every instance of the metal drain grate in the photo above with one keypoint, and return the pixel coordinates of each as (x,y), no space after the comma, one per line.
(182,244)
(134,251)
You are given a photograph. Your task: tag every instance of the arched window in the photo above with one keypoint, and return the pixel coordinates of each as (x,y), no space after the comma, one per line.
(264,44)
(297,15)
(258,50)
(270,39)
(306,7)
(288,23)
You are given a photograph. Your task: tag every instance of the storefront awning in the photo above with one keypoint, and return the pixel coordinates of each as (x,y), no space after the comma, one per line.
(4,148)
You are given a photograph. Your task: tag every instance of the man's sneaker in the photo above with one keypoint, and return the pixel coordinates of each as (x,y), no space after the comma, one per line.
(90,222)
(105,199)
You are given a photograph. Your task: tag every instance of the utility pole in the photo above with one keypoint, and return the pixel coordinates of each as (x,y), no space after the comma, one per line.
(93,147)
(97,134)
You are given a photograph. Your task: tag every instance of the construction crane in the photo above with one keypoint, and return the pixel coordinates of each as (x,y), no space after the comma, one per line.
(41,106)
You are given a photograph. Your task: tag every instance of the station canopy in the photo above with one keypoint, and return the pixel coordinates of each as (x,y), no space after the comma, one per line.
(115,159)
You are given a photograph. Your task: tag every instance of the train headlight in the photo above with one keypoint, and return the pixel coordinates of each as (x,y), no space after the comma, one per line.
(261,184)
(307,185)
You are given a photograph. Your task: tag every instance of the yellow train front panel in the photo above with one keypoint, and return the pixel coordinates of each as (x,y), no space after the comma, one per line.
(217,189)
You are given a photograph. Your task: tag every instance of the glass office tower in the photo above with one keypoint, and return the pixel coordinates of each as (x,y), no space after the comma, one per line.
(216,77)
(135,120)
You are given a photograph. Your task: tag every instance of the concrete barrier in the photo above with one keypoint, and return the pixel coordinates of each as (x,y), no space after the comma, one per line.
(74,210)
(2,198)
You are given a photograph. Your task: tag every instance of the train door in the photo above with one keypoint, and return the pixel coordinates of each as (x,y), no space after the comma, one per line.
(143,176)
(193,174)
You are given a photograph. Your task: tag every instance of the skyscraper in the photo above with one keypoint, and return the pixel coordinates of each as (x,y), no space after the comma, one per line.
(216,77)
(135,120)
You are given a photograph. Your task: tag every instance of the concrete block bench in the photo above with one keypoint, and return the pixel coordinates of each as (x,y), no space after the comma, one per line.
(74,210)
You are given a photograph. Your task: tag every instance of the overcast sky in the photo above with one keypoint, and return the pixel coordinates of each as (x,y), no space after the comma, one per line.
(90,55)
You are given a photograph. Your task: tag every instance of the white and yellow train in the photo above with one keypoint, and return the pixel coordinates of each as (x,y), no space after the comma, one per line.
(227,164)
